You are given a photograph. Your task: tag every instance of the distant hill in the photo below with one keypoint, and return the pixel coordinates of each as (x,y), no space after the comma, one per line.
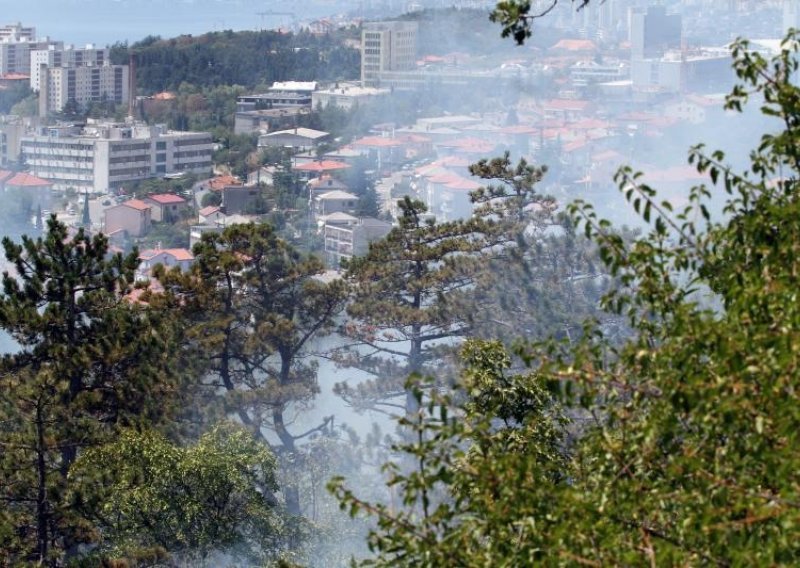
(246,58)
(469,31)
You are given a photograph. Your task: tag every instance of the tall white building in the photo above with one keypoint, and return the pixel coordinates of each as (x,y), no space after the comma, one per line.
(84,85)
(107,156)
(16,44)
(387,46)
(68,57)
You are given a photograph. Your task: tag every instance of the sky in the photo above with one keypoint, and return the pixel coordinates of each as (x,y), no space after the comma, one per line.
(103,22)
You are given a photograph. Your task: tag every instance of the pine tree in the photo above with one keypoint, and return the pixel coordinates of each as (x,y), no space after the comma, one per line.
(87,361)
(256,305)
(404,310)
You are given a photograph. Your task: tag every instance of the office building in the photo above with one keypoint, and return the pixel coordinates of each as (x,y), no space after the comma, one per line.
(387,46)
(654,32)
(105,157)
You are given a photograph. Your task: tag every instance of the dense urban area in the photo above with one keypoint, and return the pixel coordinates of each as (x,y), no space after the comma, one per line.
(413,284)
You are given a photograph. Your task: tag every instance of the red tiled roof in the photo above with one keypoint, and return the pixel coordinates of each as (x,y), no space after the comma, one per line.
(177,253)
(377,142)
(14,77)
(210,210)
(566,104)
(136,204)
(22,179)
(219,182)
(575,45)
(324,165)
(166,198)
(5,174)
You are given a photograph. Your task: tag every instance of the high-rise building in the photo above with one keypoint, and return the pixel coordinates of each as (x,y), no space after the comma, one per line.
(67,57)
(83,85)
(387,46)
(107,156)
(16,44)
(654,32)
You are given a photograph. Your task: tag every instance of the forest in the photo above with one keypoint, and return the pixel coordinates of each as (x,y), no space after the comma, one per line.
(565,392)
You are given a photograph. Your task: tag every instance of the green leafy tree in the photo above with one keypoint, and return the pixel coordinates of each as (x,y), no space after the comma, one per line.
(684,449)
(486,456)
(153,499)
(87,362)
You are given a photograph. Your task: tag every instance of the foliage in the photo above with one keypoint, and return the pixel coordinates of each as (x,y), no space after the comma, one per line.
(686,451)
(12,95)
(542,259)
(240,58)
(253,304)
(88,362)
(487,456)
(517,16)
(402,315)
(150,495)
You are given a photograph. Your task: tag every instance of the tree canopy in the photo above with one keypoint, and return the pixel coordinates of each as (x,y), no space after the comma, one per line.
(681,445)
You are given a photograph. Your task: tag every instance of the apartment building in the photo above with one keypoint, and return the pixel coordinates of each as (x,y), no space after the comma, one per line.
(70,56)
(84,85)
(105,157)
(347,236)
(16,44)
(387,46)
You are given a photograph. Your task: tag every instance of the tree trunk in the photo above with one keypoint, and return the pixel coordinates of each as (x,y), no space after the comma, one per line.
(42,511)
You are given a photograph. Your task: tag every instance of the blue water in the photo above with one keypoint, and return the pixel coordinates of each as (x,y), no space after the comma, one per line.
(104,22)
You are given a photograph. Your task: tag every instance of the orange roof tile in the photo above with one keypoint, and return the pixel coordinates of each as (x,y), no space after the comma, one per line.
(575,45)
(210,210)
(166,198)
(136,204)
(217,183)
(377,142)
(23,179)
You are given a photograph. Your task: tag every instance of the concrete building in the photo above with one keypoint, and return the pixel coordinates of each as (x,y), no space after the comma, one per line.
(70,56)
(132,217)
(299,138)
(167,207)
(654,32)
(336,201)
(105,157)
(11,131)
(347,236)
(16,44)
(83,85)
(346,96)
(387,46)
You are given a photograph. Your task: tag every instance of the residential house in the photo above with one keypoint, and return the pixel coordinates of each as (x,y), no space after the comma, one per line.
(167,207)
(239,198)
(169,258)
(334,202)
(133,216)
(32,191)
(346,237)
(210,215)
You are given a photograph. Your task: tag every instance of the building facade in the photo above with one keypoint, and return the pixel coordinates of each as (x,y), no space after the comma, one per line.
(83,85)
(387,46)
(70,56)
(106,157)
